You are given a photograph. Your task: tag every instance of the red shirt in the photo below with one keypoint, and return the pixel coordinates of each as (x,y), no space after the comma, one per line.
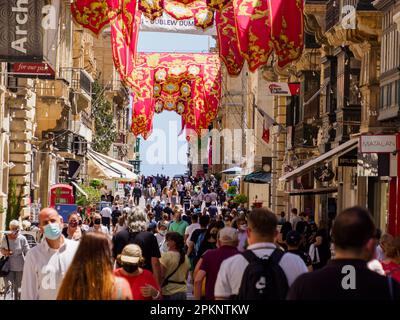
(393,269)
(136,282)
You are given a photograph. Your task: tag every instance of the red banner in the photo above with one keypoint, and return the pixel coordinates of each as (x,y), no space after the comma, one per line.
(95,14)
(228,40)
(287,29)
(124,36)
(253,30)
(189,84)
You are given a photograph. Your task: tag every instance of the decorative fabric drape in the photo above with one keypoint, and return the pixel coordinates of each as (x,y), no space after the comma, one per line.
(247,29)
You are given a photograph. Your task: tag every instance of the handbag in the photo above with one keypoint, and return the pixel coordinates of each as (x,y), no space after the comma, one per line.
(4,263)
(166,280)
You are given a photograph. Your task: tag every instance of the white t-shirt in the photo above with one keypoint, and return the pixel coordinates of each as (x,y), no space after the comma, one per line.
(232,269)
(44,270)
(106,212)
(189,230)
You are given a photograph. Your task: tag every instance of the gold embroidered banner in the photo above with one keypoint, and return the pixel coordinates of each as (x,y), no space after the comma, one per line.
(253,31)
(287,29)
(228,40)
(189,84)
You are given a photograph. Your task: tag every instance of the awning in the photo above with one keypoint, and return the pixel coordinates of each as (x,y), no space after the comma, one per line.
(234,170)
(107,168)
(81,191)
(326,157)
(258,177)
(313,191)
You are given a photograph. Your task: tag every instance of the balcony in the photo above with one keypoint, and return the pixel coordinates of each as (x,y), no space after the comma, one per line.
(87,119)
(336,10)
(305,135)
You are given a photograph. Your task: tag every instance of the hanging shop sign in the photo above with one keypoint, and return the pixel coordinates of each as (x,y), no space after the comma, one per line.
(32,69)
(323,174)
(283,89)
(378,144)
(349,159)
(166,23)
(28,30)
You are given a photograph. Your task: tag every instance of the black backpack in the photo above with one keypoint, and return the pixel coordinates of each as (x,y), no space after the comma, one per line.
(263,279)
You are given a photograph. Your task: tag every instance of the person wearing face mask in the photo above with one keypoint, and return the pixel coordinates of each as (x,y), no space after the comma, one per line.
(73,231)
(14,246)
(142,282)
(98,226)
(160,235)
(46,264)
(242,235)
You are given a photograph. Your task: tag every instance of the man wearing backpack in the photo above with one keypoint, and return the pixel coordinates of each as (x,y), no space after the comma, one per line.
(347,277)
(263,272)
(195,240)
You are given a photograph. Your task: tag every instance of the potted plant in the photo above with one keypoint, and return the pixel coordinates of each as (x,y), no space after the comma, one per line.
(232,190)
(240,199)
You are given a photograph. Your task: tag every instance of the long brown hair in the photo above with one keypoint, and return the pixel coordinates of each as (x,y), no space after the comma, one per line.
(89,276)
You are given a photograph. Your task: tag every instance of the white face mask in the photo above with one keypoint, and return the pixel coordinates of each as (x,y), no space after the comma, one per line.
(163,232)
(243,227)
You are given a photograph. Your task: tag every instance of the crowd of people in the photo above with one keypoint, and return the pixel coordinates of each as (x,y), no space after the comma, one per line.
(191,232)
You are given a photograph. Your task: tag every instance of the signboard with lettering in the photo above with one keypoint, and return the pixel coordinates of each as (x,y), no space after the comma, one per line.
(65,210)
(378,144)
(166,23)
(29,30)
(283,89)
(32,69)
(349,159)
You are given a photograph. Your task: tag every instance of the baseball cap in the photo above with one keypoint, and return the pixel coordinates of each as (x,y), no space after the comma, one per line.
(228,234)
(293,238)
(131,254)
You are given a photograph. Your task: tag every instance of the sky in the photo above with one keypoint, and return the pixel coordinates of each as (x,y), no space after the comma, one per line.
(163,153)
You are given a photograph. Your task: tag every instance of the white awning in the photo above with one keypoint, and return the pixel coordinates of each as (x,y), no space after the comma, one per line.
(107,168)
(81,191)
(127,174)
(328,156)
(107,158)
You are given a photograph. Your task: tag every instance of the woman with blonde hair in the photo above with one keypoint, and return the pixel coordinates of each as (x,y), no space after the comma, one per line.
(90,275)
(174,197)
(165,195)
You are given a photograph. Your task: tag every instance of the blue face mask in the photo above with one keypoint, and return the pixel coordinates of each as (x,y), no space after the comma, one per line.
(52,231)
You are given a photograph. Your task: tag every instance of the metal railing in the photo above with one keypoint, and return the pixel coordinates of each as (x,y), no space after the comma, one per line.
(78,78)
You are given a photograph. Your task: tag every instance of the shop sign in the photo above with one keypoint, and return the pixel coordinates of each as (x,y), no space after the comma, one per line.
(32,69)
(378,144)
(29,30)
(323,174)
(283,89)
(349,159)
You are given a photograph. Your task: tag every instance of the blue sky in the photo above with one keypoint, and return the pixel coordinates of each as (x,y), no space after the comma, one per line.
(167,164)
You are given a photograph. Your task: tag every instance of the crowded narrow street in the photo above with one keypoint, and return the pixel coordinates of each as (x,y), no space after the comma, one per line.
(201,151)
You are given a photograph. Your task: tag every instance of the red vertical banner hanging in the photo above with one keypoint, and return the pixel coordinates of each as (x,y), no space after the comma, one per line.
(124,36)
(228,40)
(287,29)
(254,31)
